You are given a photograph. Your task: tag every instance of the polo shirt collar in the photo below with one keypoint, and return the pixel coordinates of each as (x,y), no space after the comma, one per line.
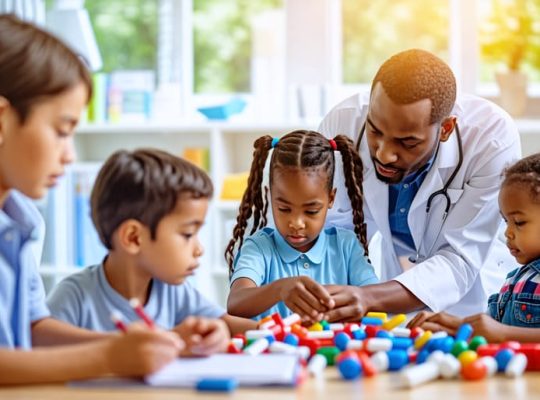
(289,254)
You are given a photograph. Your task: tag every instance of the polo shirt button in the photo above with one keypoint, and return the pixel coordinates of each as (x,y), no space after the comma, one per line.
(8,237)
(523,307)
(406,185)
(306,265)
(402,210)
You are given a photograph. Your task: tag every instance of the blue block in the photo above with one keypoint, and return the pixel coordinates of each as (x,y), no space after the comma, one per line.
(464,332)
(359,334)
(446,344)
(217,385)
(350,368)
(372,321)
(384,334)
(397,359)
(422,356)
(503,357)
(401,343)
(292,339)
(341,340)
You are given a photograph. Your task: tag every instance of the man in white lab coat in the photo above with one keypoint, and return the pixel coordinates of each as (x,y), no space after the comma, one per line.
(417,140)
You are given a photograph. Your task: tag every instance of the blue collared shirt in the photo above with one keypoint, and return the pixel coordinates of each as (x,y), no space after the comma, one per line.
(22,296)
(400,198)
(86,299)
(336,258)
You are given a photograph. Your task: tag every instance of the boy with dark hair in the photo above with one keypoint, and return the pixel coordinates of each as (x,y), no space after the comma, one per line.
(148,206)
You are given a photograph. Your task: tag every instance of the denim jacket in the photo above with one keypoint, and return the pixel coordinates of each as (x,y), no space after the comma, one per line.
(518,302)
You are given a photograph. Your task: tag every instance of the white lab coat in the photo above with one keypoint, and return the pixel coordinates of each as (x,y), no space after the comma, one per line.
(469,260)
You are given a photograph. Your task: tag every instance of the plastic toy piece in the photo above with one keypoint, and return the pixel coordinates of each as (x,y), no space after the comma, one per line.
(419,374)
(464,332)
(516,366)
(450,366)
(217,385)
(394,321)
(316,364)
(474,371)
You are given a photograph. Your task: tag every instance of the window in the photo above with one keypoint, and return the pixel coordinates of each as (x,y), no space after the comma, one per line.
(375,30)
(126,32)
(222,43)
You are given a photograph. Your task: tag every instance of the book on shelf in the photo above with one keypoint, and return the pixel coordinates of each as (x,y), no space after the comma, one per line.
(70,237)
(122,96)
(200,156)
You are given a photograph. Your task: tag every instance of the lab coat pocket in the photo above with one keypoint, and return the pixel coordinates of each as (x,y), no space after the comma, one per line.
(454,195)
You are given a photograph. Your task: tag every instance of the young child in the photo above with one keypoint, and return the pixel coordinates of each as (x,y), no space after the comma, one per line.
(514,312)
(148,206)
(284,269)
(43,89)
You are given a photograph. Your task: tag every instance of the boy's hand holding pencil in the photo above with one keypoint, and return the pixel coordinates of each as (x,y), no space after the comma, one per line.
(142,348)
(203,336)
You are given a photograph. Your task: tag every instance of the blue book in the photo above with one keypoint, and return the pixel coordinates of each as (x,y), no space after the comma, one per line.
(88,248)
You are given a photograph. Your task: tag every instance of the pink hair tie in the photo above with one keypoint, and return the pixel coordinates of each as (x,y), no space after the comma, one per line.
(332,144)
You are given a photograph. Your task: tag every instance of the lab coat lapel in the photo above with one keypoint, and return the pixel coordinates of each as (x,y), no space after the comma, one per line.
(435,179)
(375,194)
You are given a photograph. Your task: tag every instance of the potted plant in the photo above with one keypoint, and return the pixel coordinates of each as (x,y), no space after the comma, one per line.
(511,36)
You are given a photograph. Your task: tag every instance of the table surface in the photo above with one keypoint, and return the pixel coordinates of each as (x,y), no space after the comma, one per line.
(329,387)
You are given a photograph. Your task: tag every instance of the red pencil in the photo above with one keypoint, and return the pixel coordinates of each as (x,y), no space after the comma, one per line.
(116,317)
(136,304)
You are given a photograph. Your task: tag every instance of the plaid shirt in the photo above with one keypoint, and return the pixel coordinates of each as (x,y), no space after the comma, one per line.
(518,302)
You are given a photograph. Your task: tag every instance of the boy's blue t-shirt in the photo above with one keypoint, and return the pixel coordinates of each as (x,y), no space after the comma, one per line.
(336,258)
(22,296)
(86,299)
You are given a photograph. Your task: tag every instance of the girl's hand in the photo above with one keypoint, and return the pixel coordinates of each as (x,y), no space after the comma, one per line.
(484,325)
(142,351)
(203,336)
(304,296)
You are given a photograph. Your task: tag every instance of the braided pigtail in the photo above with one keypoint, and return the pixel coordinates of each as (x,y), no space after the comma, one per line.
(253,201)
(353,173)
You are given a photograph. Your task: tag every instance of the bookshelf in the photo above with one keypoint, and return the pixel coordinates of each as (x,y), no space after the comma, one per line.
(230,149)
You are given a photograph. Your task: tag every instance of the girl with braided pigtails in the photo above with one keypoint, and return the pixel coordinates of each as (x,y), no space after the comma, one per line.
(284,269)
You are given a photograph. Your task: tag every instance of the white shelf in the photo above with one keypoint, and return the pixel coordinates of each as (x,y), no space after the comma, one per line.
(51,270)
(188,128)
(528,126)
(227,205)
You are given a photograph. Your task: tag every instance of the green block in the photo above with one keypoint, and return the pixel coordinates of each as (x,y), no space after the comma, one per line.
(477,341)
(329,352)
(459,347)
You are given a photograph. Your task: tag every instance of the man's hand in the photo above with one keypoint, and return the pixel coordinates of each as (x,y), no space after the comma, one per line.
(203,336)
(304,296)
(436,322)
(348,303)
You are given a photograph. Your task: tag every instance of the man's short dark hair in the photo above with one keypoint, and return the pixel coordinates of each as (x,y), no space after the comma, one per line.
(414,75)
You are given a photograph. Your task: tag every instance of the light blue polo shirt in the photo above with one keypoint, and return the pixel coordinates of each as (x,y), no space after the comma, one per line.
(86,299)
(22,296)
(336,258)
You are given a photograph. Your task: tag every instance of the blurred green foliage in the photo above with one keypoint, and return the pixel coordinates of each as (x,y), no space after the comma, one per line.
(126,32)
(510,35)
(222,43)
(375,30)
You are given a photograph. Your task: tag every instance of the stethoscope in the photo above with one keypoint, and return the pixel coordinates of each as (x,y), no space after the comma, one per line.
(441,192)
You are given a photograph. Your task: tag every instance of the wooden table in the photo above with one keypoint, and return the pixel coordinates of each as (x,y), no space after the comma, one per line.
(328,387)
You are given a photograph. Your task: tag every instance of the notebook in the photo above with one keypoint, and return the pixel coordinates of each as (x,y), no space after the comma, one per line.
(261,370)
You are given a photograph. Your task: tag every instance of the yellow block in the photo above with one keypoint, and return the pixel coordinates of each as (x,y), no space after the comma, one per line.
(234,186)
(396,320)
(381,315)
(316,327)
